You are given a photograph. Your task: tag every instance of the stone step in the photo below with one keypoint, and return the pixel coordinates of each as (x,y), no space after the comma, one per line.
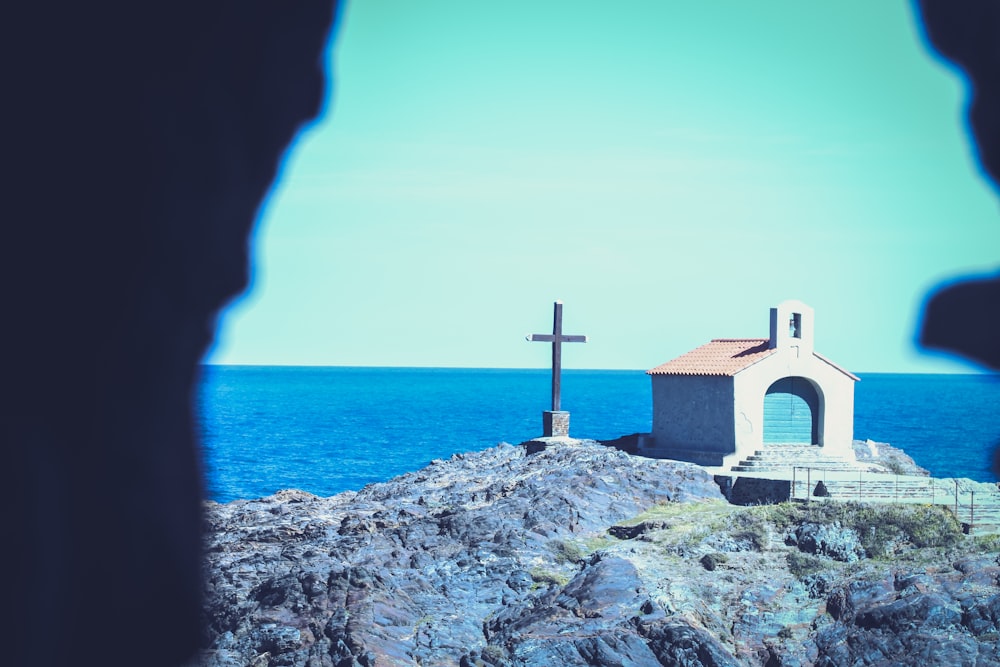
(799,463)
(840,466)
(786,457)
(789,449)
(831,464)
(799,450)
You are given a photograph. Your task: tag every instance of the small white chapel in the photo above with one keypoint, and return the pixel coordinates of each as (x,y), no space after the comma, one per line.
(719,403)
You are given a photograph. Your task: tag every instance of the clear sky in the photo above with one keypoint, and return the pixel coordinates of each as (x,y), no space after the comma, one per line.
(668,169)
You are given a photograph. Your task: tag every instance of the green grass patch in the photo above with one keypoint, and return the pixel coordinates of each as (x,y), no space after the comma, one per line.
(543,577)
(714,561)
(709,510)
(986,543)
(802,564)
(494,655)
(781,515)
(881,527)
(592,544)
(565,551)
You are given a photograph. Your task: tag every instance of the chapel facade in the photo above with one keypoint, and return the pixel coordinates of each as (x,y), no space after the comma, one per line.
(723,401)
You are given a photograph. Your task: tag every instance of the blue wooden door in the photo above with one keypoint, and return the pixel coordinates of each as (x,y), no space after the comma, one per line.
(791,407)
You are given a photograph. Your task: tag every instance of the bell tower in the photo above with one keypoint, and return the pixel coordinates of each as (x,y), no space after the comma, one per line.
(792,327)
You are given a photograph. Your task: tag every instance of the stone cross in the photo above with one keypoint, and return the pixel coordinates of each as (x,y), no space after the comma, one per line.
(557,338)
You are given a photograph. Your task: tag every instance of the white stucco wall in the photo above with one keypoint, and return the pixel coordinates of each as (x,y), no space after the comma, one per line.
(836,400)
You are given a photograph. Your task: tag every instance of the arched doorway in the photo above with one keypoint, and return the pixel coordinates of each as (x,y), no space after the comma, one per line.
(791,412)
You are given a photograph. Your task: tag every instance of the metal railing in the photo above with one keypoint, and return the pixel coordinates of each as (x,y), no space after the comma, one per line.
(898,489)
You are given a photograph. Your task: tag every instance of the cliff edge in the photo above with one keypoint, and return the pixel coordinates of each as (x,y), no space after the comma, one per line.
(574,553)
(579,554)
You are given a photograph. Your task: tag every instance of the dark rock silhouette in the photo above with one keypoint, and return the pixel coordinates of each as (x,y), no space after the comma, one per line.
(965,33)
(964,317)
(139,140)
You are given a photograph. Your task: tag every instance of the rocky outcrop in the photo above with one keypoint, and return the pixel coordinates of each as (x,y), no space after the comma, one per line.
(915,618)
(882,456)
(409,571)
(579,554)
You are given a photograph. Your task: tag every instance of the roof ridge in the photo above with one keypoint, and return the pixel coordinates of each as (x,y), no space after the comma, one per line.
(739,340)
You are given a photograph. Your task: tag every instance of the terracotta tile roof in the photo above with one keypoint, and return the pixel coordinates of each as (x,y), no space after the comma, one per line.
(723,356)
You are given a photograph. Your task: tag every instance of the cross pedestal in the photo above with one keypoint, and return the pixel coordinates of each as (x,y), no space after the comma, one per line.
(555,424)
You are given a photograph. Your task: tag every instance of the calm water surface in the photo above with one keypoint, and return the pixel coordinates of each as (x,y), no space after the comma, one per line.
(327,430)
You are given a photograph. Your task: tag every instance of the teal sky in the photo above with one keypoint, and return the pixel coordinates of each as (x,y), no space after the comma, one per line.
(670,170)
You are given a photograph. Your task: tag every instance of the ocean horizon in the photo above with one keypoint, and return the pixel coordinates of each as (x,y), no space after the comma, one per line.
(328,429)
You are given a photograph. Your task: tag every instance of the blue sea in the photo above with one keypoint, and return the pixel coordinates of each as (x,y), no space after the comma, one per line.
(330,429)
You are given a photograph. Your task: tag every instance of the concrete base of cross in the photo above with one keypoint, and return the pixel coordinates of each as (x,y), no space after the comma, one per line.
(555,424)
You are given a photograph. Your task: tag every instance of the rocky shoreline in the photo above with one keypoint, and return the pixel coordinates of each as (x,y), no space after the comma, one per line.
(580,554)
(882,456)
